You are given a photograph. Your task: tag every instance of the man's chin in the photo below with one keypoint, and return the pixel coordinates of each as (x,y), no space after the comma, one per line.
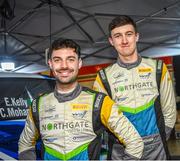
(66,82)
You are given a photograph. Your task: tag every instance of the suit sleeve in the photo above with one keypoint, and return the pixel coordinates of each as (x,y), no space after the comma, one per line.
(122,128)
(168,102)
(27,141)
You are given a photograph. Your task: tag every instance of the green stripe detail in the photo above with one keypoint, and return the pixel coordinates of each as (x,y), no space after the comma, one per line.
(138,109)
(93,94)
(69,155)
(39,103)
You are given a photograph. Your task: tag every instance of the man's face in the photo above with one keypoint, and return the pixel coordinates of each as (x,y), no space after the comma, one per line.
(65,65)
(124,40)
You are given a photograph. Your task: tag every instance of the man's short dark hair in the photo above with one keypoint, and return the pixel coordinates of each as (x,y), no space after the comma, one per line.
(64,43)
(121,21)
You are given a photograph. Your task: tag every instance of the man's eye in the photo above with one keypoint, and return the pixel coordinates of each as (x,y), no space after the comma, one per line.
(117,36)
(71,60)
(56,60)
(129,34)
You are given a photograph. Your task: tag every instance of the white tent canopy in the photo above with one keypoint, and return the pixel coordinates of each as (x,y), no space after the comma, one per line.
(28,27)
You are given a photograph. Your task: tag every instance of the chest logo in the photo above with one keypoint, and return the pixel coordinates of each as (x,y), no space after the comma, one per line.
(145,70)
(80,107)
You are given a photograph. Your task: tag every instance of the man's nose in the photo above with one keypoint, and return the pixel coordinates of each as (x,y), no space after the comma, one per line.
(124,39)
(64,64)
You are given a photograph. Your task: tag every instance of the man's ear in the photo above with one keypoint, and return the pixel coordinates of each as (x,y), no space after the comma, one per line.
(80,63)
(137,37)
(49,63)
(110,41)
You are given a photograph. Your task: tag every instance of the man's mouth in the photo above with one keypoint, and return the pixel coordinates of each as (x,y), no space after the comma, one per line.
(125,46)
(65,73)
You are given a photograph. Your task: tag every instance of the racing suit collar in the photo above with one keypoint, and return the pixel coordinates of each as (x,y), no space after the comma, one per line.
(129,65)
(68,96)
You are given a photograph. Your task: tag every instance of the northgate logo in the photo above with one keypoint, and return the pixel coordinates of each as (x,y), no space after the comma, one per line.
(62,126)
(138,86)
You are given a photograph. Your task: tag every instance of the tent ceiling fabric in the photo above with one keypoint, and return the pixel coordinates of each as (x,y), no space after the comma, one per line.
(27,28)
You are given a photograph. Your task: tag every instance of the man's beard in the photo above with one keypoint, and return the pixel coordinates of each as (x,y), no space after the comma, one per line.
(72,80)
(64,81)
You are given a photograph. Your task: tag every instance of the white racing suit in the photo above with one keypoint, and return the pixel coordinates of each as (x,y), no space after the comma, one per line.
(134,87)
(70,126)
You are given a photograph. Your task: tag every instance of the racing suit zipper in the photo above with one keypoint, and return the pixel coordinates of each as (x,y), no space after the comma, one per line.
(133,83)
(64,108)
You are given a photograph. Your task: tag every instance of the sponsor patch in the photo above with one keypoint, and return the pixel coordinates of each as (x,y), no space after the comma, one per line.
(51,139)
(145,70)
(79,114)
(81,138)
(65,125)
(145,75)
(136,86)
(120,99)
(79,107)
(118,75)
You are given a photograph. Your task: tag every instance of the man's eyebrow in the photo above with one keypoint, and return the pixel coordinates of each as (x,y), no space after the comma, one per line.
(71,57)
(130,31)
(55,57)
(118,33)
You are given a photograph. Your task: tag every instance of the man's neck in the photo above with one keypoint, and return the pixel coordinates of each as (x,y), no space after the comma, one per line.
(63,96)
(129,59)
(129,64)
(66,88)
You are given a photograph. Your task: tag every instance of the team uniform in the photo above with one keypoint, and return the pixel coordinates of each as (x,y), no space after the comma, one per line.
(70,126)
(151,109)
